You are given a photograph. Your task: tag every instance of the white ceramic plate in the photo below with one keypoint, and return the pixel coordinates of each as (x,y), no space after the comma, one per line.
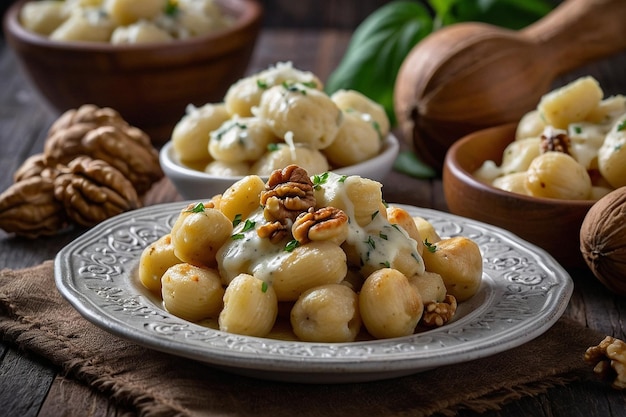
(524,292)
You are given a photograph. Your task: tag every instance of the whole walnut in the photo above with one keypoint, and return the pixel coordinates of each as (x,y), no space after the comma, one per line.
(28,208)
(101,133)
(603,240)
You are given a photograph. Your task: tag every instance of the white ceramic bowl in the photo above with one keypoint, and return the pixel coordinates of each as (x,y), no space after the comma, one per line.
(192,184)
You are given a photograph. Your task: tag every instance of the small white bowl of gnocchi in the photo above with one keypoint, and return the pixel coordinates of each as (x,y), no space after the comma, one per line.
(271,119)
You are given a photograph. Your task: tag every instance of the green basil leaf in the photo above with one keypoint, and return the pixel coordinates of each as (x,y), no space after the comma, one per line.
(511,14)
(378,48)
(408,163)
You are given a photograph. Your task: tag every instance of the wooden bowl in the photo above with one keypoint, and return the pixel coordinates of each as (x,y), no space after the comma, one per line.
(551,224)
(148,84)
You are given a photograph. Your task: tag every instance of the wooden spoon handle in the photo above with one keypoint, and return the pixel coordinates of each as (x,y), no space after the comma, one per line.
(578,32)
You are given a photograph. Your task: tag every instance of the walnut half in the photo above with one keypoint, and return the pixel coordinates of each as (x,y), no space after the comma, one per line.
(609,358)
(288,192)
(326,223)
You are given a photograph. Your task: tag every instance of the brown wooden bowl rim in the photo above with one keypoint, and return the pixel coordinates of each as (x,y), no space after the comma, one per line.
(455,169)
(251,14)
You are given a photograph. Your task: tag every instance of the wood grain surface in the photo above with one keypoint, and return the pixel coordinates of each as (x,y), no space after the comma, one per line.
(31,387)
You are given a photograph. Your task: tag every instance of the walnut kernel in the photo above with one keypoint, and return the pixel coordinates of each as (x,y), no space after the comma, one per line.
(326,223)
(609,359)
(288,193)
(438,314)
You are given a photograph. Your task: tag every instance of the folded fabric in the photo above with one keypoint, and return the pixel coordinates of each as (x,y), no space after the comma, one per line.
(35,317)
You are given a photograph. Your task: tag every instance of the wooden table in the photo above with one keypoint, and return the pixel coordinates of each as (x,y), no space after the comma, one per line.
(31,387)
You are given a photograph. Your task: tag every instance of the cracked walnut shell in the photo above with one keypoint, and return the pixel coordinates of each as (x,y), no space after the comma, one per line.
(126,148)
(89,115)
(91,191)
(28,208)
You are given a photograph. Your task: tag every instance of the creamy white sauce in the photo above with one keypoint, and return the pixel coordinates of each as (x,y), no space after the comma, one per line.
(379,244)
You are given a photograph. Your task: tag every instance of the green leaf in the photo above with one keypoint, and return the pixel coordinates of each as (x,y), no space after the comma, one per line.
(511,14)
(378,48)
(408,163)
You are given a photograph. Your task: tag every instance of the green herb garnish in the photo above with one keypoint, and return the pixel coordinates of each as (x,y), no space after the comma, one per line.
(247,226)
(432,248)
(621,126)
(262,84)
(293,88)
(237,219)
(319,180)
(291,245)
(198,208)
(264,286)
(171,8)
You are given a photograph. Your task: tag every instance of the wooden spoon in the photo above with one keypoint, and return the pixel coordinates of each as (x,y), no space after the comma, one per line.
(469,76)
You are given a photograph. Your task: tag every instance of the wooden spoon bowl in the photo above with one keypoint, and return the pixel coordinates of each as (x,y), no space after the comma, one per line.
(470,76)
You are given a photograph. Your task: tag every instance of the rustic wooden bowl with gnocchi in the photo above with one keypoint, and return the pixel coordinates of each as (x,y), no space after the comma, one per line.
(539,177)
(273,118)
(148,60)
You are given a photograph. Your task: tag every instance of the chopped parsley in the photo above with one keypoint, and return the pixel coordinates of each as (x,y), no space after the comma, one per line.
(578,130)
(343,178)
(273,147)
(319,180)
(621,126)
(370,242)
(293,88)
(262,84)
(385,264)
(228,127)
(376,126)
(198,208)
(432,248)
(237,219)
(291,245)
(171,8)
(247,226)
(264,286)
(374,214)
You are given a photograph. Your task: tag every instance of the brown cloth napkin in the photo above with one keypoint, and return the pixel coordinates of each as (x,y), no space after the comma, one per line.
(35,317)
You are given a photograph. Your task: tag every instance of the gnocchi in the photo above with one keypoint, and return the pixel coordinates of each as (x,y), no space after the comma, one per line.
(122,21)
(363,271)
(569,147)
(277,117)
